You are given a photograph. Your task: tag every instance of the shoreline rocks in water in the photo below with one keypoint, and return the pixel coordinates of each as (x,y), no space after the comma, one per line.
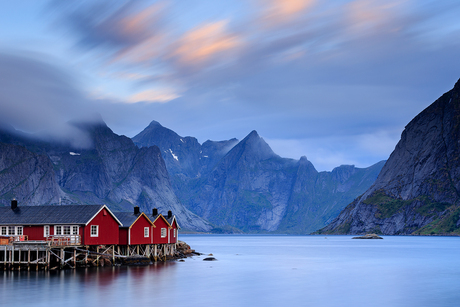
(369,236)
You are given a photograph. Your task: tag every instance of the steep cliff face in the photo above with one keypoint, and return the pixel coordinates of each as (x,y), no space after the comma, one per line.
(417,190)
(248,187)
(113,171)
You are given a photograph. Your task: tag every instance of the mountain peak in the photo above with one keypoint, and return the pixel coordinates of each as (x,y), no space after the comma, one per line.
(255,146)
(153,124)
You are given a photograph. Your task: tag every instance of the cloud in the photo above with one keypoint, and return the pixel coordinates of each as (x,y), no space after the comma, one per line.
(203,44)
(152,96)
(36,96)
(275,12)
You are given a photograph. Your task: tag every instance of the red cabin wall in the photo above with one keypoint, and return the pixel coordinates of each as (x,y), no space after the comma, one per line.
(137,231)
(123,238)
(157,239)
(173,239)
(108,230)
(34,232)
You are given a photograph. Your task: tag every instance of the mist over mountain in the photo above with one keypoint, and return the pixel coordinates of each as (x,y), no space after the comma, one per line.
(418,189)
(112,170)
(245,186)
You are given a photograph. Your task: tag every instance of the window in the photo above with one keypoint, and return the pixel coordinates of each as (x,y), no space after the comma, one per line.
(146,232)
(174,232)
(66,230)
(57,230)
(46,231)
(163,232)
(94,230)
(12,231)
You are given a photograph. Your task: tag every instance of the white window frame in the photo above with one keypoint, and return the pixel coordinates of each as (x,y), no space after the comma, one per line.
(60,230)
(146,232)
(174,232)
(66,230)
(57,230)
(164,232)
(46,231)
(94,231)
(11,230)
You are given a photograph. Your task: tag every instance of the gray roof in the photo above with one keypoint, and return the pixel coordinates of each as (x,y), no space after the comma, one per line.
(43,215)
(127,218)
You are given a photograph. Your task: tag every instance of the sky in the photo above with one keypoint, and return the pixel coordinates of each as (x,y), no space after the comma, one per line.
(335,81)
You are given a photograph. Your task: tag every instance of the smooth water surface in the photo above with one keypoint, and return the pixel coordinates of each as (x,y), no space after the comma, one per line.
(262,271)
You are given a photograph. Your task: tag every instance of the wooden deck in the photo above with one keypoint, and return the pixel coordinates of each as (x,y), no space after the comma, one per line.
(61,254)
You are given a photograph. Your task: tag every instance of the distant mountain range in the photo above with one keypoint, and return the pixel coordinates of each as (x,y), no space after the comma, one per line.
(418,189)
(224,186)
(244,186)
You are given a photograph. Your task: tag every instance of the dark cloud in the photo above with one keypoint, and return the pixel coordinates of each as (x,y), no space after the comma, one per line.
(38,97)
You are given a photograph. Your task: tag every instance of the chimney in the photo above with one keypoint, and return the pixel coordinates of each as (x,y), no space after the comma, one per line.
(136,210)
(169,214)
(154,211)
(14,204)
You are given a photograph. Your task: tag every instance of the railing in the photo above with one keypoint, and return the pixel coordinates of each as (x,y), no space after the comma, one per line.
(20,238)
(60,240)
(7,239)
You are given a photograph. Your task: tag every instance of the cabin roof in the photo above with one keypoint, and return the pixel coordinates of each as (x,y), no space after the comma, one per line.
(153,218)
(129,218)
(171,221)
(43,215)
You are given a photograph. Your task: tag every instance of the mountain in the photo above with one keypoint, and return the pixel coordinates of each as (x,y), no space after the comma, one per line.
(183,155)
(112,170)
(418,189)
(245,186)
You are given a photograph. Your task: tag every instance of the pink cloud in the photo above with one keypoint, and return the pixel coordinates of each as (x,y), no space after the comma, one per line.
(204,43)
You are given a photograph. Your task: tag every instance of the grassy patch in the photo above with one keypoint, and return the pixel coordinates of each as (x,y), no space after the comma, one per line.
(431,207)
(446,224)
(386,205)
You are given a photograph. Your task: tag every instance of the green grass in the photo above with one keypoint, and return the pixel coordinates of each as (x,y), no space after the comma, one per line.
(446,225)
(386,205)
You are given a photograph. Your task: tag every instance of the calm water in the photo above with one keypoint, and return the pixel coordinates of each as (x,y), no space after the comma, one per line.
(262,271)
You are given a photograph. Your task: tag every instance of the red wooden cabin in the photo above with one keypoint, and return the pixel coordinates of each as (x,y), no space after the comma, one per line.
(74,224)
(173,229)
(136,229)
(161,228)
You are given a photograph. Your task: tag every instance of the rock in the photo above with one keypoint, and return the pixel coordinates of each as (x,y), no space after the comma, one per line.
(418,189)
(210,259)
(368,236)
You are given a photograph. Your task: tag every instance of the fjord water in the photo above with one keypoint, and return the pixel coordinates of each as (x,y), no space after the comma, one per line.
(262,271)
